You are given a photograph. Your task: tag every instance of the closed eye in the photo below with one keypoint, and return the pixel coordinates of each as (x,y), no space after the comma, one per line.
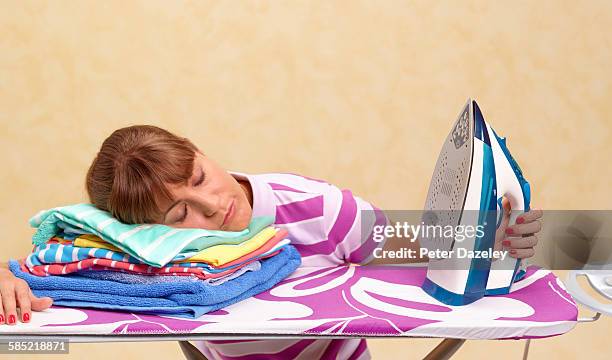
(200,180)
(184,214)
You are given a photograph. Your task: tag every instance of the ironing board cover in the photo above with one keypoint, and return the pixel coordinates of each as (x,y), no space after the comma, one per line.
(365,301)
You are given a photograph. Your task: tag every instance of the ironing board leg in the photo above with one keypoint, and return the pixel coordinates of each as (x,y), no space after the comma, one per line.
(445,349)
(191,352)
(526,350)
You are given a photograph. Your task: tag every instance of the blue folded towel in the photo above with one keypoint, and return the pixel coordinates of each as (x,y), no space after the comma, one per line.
(126,277)
(183,298)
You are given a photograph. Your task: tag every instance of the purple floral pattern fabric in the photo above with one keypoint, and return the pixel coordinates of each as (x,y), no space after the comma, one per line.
(366,301)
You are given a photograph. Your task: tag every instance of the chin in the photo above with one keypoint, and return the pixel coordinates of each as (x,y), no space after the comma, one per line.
(240,223)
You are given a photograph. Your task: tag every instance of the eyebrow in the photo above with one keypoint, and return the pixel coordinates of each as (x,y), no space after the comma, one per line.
(179,200)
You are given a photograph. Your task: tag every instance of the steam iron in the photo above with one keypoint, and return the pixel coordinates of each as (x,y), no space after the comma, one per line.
(473,173)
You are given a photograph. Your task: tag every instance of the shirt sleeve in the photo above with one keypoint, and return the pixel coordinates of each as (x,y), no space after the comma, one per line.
(351,229)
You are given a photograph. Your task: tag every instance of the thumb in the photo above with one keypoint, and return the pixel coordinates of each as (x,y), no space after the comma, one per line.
(39,304)
(500,232)
(506,216)
(506,205)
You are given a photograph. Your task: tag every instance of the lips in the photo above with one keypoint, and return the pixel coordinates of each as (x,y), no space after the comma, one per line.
(228,214)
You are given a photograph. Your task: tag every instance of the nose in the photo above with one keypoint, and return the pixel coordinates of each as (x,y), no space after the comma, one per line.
(208,203)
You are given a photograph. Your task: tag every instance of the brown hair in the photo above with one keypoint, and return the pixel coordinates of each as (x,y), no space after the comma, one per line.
(129,173)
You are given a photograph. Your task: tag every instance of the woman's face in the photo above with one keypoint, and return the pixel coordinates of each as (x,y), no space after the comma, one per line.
(212,200)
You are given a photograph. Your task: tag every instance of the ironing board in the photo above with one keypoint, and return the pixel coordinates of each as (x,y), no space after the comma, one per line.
(336,302)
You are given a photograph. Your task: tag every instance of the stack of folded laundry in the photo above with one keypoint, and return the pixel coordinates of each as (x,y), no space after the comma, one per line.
(83,257)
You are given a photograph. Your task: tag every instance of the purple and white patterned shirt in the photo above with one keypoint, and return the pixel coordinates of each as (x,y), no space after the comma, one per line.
(328,226)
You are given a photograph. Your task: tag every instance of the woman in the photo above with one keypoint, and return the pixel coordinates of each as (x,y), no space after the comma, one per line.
(144,174)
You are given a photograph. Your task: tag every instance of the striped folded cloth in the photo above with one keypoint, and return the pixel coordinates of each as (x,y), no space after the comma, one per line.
(152,244)
(60,258)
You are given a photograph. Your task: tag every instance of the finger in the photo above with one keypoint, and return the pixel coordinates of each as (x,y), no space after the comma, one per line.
(521,242)
(522,253)
(8,302)
(529,216)
(23,300)
(40,304)
(526,228)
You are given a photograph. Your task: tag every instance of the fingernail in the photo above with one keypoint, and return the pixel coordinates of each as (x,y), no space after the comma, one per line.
(11,319)
(509,231)
(506,242)
(512,251)
(1,319)
(26,317)
(520,220)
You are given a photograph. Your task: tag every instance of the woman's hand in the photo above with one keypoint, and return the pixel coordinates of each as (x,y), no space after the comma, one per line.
(15,294)
(519,239)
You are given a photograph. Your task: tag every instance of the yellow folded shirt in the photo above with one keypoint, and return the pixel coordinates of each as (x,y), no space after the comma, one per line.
(62,240)
(219,255)
(93,241)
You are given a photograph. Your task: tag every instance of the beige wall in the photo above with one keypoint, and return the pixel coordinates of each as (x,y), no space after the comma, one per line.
(360,93)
